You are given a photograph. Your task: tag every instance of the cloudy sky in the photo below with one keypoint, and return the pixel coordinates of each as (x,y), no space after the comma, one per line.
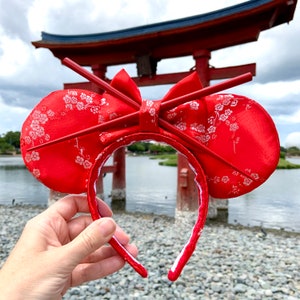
(28,74)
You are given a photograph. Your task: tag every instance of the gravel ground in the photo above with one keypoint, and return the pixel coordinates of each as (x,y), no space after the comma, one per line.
(229,262)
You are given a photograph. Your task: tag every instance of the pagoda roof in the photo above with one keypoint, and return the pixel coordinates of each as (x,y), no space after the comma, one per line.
(211,31)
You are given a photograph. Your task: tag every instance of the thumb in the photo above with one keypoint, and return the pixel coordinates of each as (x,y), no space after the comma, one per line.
(93,237)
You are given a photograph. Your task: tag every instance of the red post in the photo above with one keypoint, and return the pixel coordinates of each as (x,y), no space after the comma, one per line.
(187,193)
(100,71)
(118,193)
(202,58)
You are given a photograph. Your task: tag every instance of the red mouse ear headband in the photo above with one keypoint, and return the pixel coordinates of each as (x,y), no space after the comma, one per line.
(230,141)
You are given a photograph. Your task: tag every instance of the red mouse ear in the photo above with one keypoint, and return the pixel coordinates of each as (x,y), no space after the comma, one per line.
(243,133)
(237,130)
(64,166)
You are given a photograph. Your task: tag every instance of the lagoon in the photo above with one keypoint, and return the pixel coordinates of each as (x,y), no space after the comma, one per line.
(152,189)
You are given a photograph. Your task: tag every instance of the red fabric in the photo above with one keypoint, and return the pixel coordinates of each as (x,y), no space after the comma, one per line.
(230,141)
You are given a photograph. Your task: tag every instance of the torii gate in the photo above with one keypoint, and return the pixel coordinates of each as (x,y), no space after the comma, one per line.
(197,36)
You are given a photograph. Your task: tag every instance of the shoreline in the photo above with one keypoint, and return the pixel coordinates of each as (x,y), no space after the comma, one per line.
(144,215)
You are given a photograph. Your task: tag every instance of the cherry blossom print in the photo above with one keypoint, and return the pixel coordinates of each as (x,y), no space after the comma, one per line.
(247,181)
(94,110)
(36,173)
(194,105)
(219,107)
(211,129)
(88,99)
(225,179)
(181,126)
(79,160)
(224,117)
(204,138)
(83,162)
(226,99)
(103,101)
(171,114)
(233,127)
(198,127)
(32,156)
(255,176)
(80,106)
(234,102)
(40,117)
(50,113)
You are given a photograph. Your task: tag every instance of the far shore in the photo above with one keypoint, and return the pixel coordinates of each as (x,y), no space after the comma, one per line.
(150,216)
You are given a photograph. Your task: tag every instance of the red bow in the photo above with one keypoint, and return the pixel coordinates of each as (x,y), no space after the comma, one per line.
(71,133)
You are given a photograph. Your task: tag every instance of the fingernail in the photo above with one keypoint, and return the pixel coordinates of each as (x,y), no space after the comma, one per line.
(107,226)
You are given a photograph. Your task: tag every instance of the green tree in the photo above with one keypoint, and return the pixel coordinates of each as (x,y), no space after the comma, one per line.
(138,147)
(13,138)
(10,142)
(293,151)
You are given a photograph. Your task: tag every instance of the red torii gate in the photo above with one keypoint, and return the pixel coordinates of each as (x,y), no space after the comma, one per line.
(195,36)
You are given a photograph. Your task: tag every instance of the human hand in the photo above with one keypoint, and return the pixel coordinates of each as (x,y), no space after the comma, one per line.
(58,250)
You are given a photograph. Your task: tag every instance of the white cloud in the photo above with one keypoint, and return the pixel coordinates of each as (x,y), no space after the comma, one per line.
(14,57)
(293,139)
(293,118)
(12,117)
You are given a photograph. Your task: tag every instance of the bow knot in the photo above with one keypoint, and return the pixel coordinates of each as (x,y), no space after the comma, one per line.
(149,115)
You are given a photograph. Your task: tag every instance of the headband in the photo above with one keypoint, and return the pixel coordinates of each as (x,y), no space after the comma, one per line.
(230,141)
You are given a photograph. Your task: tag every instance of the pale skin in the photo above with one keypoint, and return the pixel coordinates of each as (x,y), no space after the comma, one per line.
(58,250)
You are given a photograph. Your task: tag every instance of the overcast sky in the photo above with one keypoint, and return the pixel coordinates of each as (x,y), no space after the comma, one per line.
(28,74)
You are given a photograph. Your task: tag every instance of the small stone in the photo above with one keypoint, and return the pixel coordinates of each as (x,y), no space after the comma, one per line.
(240,288)
(268,293)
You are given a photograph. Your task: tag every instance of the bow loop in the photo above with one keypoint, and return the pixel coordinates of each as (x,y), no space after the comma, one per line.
(185,86)
(124,83)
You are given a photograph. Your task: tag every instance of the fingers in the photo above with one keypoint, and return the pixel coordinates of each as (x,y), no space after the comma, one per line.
(88,272)
(78,224)
(102,263)
(70,205)
(93,237)
(107,252)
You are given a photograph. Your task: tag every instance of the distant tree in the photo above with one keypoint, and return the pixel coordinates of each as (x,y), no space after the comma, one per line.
(139,147)
(13,138)
(145,147)
(159,148)
(282,154)
(293,151)
(282,149)
(10,142)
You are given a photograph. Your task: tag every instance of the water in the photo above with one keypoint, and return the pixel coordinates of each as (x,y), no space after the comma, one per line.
(17,184)
(274,204)
(152,189)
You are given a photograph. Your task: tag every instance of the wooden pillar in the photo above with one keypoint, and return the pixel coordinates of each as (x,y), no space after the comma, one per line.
(118,193)
(187,193)
(202,58)
(100,71)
